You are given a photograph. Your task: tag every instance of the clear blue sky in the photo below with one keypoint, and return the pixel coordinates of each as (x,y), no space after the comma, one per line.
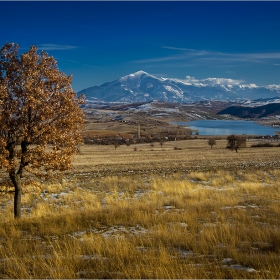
(99,42)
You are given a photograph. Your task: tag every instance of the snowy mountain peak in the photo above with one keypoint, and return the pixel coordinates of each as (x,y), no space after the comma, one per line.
(135,75)
(141,86)
(139,73)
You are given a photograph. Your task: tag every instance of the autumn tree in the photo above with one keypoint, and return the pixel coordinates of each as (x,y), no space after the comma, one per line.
(212,142)
(236,141)
(40,118)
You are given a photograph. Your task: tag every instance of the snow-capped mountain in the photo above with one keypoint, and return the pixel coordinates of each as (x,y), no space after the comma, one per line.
(141,87)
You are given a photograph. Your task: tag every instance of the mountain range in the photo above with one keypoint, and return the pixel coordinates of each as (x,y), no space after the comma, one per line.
(143,87)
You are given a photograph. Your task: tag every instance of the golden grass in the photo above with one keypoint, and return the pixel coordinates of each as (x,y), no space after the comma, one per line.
(159,222)
(196,155)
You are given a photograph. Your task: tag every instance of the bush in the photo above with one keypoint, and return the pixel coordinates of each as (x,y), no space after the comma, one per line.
(262,144)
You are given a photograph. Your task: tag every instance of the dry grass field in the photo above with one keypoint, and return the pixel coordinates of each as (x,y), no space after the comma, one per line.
(196,155)
(150,212)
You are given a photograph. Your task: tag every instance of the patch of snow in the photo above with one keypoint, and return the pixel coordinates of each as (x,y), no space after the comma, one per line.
(275,87)
(227,261)
(168,207)
(240,267)
(225,88)
(92,257)
(225,207)
(248,86)
(200,85)
(179,93)
(145,107)
(240,207)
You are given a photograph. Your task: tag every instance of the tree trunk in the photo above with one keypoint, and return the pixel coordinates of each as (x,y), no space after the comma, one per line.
(15,178)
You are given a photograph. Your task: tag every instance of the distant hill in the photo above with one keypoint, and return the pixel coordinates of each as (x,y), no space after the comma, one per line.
(252,112)
(143,87)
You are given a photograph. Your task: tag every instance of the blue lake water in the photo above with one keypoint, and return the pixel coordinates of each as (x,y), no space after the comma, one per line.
(228,127)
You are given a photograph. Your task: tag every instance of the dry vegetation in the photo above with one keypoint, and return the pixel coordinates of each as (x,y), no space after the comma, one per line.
(151,213)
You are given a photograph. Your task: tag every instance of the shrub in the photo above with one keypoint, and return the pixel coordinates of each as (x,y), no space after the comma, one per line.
(262,144)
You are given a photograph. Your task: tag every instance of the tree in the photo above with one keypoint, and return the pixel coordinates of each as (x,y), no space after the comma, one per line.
(40,118)
(212,142)
(161,142)
(236,141)
(116,145)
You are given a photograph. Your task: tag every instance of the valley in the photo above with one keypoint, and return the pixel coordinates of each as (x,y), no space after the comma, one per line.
(121,120)
(153,103)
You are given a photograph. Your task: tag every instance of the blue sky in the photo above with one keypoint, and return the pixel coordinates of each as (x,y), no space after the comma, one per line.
(99,42)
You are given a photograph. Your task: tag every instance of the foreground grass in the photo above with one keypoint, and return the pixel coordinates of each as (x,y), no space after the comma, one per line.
(222,224)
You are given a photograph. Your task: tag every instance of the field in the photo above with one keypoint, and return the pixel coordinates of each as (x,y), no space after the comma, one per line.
(182,210)
(192,155)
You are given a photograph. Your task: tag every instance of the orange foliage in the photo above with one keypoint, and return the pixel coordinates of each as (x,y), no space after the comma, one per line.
(40,117)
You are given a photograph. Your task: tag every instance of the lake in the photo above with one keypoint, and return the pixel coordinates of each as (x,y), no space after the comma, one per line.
(228,127)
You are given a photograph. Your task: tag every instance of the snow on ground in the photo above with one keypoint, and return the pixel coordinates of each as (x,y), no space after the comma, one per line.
(260,102)
(179,93)
(151,107)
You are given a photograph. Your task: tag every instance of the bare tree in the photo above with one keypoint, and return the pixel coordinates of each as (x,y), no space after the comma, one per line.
(236,141)
(40,118)
(212,142)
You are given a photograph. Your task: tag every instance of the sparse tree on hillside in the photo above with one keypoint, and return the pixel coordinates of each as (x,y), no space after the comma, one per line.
(212,142)
(236,141)
(40,118)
